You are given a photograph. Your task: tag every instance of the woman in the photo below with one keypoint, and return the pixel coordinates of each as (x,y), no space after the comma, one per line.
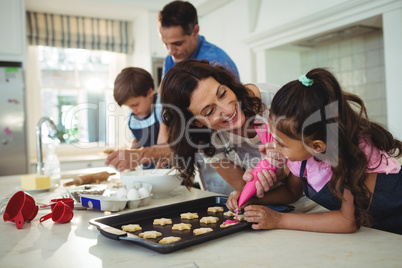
(206,110)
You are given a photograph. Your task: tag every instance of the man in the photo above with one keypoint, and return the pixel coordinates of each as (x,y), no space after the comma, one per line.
(178,29)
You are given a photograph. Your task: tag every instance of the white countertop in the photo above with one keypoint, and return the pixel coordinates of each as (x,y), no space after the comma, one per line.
(79,244)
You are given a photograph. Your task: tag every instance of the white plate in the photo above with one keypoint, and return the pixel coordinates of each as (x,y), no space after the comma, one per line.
(53,187)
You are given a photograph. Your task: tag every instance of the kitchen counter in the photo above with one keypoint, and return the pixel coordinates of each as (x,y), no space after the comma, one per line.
(79,244)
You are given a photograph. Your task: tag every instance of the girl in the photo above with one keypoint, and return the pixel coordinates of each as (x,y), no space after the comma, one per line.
(206,109)
(339,158)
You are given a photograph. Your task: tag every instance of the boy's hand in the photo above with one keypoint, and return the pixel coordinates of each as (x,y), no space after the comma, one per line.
(125,159)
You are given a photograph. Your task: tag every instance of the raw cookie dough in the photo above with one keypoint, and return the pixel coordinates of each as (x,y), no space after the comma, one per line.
(241,217)
(210,219)
(229,213)
(181,226)
(189,215)
(169,239)
(228,224)
(215,209)
(150,234)
(162,221)
(202,231)
(131,228)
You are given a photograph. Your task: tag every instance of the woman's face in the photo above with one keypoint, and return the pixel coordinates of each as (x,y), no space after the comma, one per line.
(215,106)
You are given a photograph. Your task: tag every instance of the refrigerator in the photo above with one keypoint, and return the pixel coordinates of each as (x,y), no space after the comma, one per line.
(13,144)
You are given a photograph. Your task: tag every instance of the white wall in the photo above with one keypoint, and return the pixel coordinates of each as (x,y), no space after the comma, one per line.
(358,64)
(226,27)
(392,21)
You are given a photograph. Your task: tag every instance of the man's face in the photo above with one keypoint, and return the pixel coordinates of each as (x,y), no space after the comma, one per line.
(179,45)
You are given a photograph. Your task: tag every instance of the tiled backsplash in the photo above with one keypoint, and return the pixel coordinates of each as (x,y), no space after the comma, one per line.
(358,64)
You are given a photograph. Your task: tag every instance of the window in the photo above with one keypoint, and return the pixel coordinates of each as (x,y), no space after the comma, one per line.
(76,89)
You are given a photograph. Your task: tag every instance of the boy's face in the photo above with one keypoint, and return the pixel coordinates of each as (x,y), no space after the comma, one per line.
(141,106)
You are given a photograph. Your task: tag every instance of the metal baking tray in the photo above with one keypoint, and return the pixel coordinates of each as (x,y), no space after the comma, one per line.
(110,226)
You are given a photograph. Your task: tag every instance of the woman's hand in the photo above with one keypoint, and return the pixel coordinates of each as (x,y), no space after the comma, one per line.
(262,217)
(266,180)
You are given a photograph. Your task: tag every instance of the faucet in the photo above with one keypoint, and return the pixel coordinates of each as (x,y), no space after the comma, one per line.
(39,154)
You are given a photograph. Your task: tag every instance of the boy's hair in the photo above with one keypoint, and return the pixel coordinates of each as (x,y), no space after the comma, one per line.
(132,82)
(179,13)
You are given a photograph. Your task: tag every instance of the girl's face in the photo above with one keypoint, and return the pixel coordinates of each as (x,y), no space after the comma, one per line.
(292,149)
(215,106)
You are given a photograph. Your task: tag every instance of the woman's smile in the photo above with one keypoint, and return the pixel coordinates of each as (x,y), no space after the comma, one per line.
(232,118)
(216,106)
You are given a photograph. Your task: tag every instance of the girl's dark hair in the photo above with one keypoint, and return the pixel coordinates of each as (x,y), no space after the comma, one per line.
(324,112)
(177,87)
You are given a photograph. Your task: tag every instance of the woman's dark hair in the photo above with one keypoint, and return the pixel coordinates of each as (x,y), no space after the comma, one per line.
(179,13)
(177,87)
(324,112)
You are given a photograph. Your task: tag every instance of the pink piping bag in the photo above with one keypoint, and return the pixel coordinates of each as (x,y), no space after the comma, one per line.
(249,189)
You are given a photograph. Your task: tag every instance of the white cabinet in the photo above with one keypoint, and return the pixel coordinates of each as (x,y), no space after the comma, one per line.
(73,165)
(12,30)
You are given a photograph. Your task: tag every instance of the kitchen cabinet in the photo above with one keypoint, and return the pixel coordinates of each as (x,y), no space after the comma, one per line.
(67,164)
(72,165)
(12,30)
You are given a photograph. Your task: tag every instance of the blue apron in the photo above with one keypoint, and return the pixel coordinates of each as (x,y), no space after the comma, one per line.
(147,136)
(386,205)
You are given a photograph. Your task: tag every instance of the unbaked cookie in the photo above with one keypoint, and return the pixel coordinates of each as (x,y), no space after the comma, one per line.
(199,231)
(169,239)
(229,213)
(162,221)
(189,215)
(150,234)
(241,217)
(210,219)
(215,209)
(228,224)
(181,226)
(131,228)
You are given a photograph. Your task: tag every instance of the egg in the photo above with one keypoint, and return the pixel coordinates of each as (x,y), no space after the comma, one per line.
(133,194)
(144,192)
(121,193)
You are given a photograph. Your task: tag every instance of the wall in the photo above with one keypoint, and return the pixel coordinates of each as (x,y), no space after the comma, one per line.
(226,28)
(358,64)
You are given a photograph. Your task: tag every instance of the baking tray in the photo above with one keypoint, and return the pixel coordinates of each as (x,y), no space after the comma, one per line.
(110,226)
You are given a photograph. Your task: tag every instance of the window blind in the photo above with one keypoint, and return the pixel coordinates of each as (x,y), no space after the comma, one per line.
(79,32)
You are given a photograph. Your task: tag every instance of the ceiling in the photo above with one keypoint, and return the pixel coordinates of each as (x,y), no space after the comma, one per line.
(114,9)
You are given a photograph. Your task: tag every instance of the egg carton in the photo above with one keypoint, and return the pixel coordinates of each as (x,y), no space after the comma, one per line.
(139,195)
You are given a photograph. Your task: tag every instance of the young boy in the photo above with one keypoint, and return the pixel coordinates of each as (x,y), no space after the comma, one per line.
(134,88)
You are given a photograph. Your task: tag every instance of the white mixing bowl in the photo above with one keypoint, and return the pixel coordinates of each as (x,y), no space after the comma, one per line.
(161,184)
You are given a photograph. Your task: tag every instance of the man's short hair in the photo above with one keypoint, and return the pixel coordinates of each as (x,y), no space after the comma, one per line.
(179,13)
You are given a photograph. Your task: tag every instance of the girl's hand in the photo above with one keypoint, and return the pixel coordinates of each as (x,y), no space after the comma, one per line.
(233,198)
(262,217)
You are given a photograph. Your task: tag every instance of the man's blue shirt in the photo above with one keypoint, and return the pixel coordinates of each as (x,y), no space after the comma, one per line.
(206,50)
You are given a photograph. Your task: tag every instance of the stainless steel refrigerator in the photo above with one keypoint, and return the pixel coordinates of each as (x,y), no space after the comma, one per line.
(13,145)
